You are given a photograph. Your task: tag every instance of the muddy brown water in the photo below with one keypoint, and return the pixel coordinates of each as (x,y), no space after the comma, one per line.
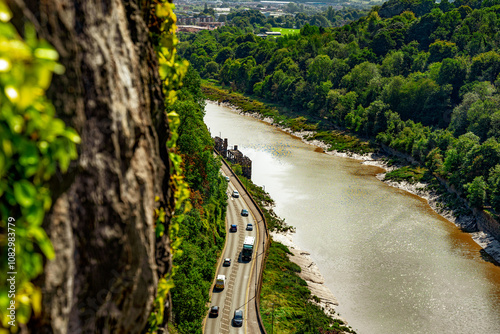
(394,265)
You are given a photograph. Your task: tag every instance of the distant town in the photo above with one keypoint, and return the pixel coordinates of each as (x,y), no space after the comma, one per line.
(194,16)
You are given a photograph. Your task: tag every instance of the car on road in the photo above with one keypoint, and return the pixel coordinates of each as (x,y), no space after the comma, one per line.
(227,178)
(244,212)
(220,283)
(249,227)
(233,228)
(214,312)
(238,318)
(227,262)
(236,194)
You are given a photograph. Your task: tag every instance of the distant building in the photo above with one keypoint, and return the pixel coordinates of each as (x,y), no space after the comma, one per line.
(205,18)
(193,24)
(190,28)
(273,33)
(211,25)
(222,10)
(275,2)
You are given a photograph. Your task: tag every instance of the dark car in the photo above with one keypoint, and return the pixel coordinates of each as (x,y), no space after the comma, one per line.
(244,213)
(214,312)
(238,318)
(249,227)
(233,228)
(227,262)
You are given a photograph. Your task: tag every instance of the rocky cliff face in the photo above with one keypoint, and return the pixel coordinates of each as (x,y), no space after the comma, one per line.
(108,261)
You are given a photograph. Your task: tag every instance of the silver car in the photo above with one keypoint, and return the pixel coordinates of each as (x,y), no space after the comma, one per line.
(238,318)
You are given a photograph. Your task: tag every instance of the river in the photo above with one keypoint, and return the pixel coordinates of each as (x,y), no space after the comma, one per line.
(394,265)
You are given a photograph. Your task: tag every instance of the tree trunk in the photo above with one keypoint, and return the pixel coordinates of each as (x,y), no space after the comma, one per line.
(104,276)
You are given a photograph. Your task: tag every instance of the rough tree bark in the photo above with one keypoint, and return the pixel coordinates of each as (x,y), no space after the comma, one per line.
(105,273)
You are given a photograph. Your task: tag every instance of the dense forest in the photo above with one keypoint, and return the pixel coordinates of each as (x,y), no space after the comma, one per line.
(420,77)
(202,231)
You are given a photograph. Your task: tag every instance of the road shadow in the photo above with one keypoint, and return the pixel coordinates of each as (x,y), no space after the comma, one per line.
(240,259)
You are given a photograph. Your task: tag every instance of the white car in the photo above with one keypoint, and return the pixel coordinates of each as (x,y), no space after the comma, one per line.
(236,194)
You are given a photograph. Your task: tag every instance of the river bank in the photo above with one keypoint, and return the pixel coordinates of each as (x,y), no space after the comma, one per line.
(421,189)
(394,265)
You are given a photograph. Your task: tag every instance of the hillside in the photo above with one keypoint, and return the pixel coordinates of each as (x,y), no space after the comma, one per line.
(418,76)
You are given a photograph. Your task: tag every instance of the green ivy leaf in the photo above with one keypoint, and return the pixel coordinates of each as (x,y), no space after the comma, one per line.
(43,241)
(24,192)
(5,13)
(29,154)
(35,214)
(72,135)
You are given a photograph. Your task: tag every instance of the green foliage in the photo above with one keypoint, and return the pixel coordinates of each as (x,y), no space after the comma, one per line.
(34,146)
(411,174)
(476,191)
(237,170)
(202,229)
(197,227)
(172,70)
(254,21)
(286,303)
(494,187)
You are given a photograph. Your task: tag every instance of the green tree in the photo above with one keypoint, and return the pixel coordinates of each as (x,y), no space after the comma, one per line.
(494,187)
(485,66)
(476,191)
(440,50)
(359,77)
(319,69)
(224,54)
(454,72)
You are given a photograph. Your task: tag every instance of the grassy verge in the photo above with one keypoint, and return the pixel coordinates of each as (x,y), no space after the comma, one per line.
(410,174)
(341,142)
(286,305)
(286,31)
(338,140)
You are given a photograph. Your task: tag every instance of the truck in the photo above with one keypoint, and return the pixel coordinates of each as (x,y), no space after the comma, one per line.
(247,251)
(220,282)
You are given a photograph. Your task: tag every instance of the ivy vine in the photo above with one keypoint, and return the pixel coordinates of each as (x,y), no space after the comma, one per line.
(171,69)
(34,143)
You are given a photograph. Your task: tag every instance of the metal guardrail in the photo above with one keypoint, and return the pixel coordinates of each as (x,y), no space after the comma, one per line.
(266,247)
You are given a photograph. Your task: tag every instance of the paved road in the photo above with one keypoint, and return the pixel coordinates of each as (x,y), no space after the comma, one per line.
(239,292)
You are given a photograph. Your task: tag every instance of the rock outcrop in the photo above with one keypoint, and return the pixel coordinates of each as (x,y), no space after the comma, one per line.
(105,272)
